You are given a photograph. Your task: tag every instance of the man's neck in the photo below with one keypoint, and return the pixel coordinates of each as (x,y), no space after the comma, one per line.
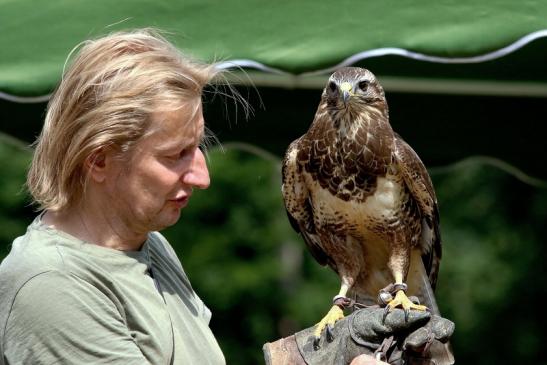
(96,228)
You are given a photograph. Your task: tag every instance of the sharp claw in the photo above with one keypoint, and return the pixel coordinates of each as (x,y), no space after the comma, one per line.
(407,314)
(316,343)
(386,312)
(330,335)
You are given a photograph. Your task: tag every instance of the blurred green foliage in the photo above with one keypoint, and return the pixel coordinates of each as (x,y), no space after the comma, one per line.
(15,214)
(492,274)
(253,271)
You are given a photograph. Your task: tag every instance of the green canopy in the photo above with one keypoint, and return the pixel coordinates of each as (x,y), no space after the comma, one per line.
(494,40)
(463,77)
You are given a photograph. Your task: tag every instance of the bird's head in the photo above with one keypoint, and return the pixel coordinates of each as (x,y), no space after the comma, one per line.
(353,88)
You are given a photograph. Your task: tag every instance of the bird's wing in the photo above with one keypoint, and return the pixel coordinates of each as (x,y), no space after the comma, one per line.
(420,186)
(297,203)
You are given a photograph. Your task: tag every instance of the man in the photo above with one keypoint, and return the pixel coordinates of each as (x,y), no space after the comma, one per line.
(92,281)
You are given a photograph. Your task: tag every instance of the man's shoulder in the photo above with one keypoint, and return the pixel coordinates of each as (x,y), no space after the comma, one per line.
(43,285)
(27,258)
(26,268)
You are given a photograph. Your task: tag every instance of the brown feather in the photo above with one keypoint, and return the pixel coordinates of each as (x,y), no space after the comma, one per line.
(357,193)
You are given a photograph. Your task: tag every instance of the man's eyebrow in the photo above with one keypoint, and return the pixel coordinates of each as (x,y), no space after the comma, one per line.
(170,145)
(166,148)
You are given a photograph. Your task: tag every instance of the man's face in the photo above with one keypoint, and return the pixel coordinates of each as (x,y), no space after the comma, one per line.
(149,190)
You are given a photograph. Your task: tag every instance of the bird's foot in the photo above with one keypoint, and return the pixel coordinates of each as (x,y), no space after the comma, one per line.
(327,323)
(400,300)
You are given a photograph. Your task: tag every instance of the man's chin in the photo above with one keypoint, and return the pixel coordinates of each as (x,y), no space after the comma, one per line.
(169,221)
(164,219)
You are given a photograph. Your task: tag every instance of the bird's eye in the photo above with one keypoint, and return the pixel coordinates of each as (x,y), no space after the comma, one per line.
(332,86)
(363,85)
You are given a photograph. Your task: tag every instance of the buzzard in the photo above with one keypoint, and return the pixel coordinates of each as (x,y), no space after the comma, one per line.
(362,199)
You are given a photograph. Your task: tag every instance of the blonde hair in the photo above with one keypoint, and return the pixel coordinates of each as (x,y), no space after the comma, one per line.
(105,100)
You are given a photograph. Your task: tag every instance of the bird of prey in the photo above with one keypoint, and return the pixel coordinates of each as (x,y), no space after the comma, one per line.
(362,199)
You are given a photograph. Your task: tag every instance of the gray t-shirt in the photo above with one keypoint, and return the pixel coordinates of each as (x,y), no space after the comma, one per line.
(65,301)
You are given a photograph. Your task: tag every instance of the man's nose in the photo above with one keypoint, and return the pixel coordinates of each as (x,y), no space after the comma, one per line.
(198,174)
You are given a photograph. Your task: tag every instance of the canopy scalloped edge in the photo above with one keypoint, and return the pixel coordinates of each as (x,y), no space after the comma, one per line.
(378,52)
(391,51)
(24,99)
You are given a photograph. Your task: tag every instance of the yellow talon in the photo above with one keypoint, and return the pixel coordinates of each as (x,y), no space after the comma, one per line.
(402,300)
(334,314)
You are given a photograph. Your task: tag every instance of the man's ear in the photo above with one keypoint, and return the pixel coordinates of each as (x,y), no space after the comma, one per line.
(96,165)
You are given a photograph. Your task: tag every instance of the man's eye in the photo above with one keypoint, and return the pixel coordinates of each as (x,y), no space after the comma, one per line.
(184,152)
(175,156)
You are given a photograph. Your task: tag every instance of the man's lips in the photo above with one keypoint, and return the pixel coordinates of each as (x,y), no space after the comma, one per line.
(182,201)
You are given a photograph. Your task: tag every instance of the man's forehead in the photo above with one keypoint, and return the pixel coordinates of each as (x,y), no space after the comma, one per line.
(187,117)
(171,129)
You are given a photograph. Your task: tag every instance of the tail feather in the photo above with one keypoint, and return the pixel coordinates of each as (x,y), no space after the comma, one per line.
(419,285)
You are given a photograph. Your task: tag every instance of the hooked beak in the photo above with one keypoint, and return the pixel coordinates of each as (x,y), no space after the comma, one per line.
(345,97)
(346,94)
